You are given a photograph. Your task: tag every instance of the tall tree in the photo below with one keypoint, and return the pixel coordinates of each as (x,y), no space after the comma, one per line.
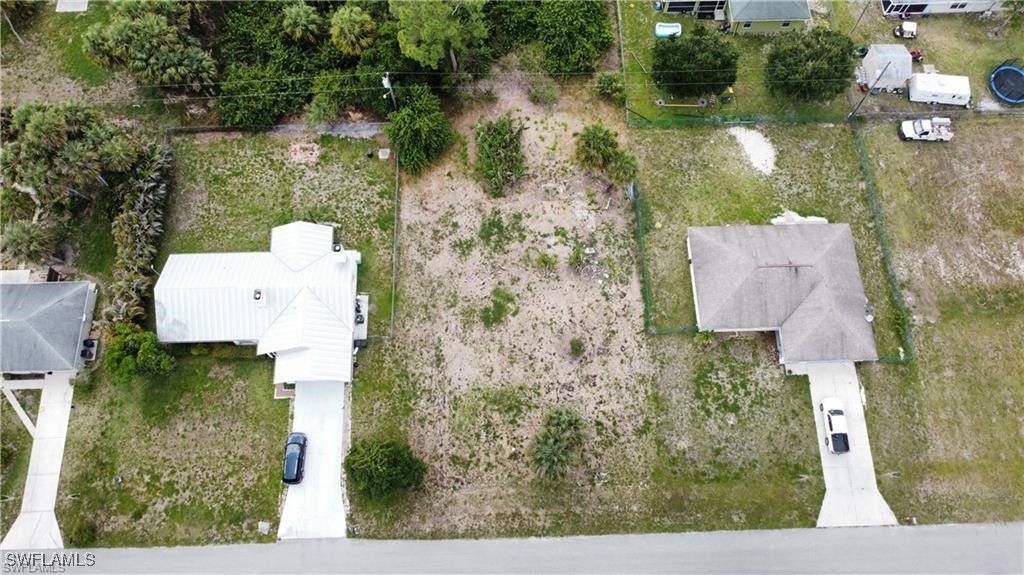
(428,30)
(815,65)
(352,30)
(301,22)
(574,34)
(703,62)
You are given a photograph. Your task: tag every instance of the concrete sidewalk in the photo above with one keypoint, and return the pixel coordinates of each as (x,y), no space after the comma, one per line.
(851,492)
(36,526)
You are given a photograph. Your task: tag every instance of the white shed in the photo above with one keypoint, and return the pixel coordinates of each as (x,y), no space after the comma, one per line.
(899,69)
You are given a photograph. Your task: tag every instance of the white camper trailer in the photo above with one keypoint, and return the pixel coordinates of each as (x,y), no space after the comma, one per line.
(940,89)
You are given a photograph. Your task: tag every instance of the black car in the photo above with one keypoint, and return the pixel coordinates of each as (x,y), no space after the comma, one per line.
(294,458)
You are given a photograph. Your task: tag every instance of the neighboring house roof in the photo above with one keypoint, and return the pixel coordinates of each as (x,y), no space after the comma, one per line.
(42,325)
(305,314)
(899,67)
(801,280)
(769,10)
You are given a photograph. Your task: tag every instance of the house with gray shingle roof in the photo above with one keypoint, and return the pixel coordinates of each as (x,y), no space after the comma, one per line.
(800,281)
(43,326)
(768,16)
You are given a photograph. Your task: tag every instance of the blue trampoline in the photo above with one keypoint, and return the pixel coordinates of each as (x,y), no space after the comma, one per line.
(1007,82)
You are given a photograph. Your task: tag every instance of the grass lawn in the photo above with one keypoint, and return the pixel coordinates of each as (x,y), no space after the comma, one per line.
(63,32)
(14,457)
(700,176)
(956,44)
(949,426)
(751,97)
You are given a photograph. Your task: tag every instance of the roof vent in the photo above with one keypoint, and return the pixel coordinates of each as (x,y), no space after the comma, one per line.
(257,294)
(336,247)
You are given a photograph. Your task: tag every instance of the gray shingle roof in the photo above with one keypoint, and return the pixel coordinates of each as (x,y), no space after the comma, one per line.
(42,325)
(769,10)
(800,280)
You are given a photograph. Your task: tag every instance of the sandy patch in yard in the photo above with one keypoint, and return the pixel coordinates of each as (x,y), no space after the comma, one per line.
(759,150)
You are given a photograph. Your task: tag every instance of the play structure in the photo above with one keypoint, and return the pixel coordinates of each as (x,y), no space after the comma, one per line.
(1007,82)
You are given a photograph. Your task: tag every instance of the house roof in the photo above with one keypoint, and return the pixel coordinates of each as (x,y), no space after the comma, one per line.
(304,313)
(899,63)
(801,280)
(769,10)
(42,325)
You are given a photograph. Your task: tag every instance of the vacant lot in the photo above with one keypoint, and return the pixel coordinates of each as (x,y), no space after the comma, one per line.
(195,458)
(961,44)
(702,176)
(673,432)
(750,99)
(946,432)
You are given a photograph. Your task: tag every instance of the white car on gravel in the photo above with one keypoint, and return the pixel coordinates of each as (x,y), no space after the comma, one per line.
(834,418)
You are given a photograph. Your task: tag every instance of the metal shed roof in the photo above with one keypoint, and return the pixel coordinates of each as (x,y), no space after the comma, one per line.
(42,325)
(296,301)
(899,63)
(800,280)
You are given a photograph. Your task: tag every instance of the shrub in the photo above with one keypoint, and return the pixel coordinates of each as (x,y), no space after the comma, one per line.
(596,146)
(131,352)
(611,87)
(419,131)
(815,65)
(558,443)
(502,305)
(151,40)
(703,62)
(254,96)
(137,230)
(378,468)
(621,169)
(576,347)
(301,22)
(332,92)
(574,34)
(25,241)
(499,154)
(513,24)
(352,30)
(543,90)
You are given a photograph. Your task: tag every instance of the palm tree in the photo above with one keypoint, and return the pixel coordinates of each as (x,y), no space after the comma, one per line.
(24,241)
(352,30)
(302,22)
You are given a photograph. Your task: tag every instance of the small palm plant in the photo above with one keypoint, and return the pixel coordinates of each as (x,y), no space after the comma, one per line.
(25,241)
(557,445)
(352,30)
(302,22)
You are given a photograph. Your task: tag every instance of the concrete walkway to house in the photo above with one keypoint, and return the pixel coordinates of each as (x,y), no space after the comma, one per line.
(315,508)
(36,526)
(851,493)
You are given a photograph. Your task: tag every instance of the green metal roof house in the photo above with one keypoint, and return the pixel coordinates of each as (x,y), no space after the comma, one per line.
(768,16)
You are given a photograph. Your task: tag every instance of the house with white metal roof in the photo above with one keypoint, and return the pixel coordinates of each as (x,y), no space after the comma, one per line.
(297,302)
(800,281)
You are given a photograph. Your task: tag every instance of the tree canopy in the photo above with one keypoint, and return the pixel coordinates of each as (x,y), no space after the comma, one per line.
(574,34)
(815,65)
(301,22)
(430,31)
(151,40)
(380,467)
(352,30)
(700,63)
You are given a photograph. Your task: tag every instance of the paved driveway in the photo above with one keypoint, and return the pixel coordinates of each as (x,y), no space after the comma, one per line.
(36,526)
(315,508)
(851,493)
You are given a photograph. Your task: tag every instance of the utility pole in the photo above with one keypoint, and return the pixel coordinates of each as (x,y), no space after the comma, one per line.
(868,93)
(386,81)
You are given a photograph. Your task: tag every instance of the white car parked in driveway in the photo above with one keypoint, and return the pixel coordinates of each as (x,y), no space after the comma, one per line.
(836,438)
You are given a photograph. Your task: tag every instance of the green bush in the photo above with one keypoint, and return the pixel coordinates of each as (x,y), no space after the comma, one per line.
(131,353)
(255,96)
(622,167)
(574,34)
(151,40)
(502,306)
(611,87)
(499,153)
(814,65)
(25,241)
(597,147)
(576,347)
(419,130)
(700,63)
(547,262)
(513,24)
(557,445)
(332,92)
(378,468)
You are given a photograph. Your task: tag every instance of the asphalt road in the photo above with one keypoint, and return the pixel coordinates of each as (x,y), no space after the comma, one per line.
(936,549)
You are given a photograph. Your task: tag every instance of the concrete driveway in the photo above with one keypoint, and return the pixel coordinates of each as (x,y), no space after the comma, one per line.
(851,493)
(36,526)
(315,508)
